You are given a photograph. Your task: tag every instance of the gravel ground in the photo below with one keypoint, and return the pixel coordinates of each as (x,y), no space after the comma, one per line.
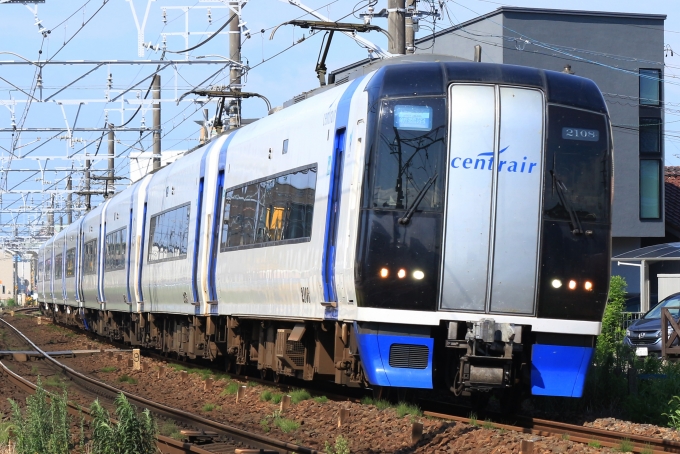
(369,429)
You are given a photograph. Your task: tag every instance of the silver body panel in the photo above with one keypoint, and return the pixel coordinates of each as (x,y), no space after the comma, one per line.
(492,232)
(71,296)
(59,289)
(92,229)
(116,217)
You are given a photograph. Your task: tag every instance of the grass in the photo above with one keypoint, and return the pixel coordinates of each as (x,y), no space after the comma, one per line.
(231,389)
(253,384)
(208,407)
(594,444)
(299,395)
(473,420)
(647,449)
(487,424)
(169,429)
(60,330)
(404,409)
(379,403)
(565,437)
(125,378)
(626,445)
(286,425)
(109,369)
(266,396)
(321,399)
(54,382)
(4,430)
(276,398)
(265,425)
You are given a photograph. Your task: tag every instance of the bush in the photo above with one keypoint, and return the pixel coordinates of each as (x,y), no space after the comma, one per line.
(45,427)
(299,395)
(133,433)
(341,446)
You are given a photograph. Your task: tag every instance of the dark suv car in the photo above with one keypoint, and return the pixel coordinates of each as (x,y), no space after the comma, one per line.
(644,335)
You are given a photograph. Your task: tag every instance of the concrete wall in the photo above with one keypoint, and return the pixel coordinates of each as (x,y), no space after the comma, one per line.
(6,276)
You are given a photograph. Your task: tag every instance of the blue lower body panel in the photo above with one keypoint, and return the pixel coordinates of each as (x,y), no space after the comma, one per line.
(557,370)
(374,350)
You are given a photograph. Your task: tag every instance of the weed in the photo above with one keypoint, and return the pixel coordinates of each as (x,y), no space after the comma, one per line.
(178,367)
(132,433)
(252,384)
(299,395)
(321,399)
(208,407)
(286,425)
(55,382)
(266,396)
(487,424)
(594,444)
(565,437)
(341,446)
(404,409)
(367,400)
(35,370)
(223,377)
(626,445)
(647,449)
(109,369)
(473,420)
(502,431)
(382,404)
(276,398)
(265,425)
(231,389)
(5,428)
(169,429)
(125,378)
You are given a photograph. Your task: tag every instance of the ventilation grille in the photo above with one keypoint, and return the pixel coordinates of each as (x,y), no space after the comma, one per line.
(342,81)
(299,98)
(409,356)
(295,351)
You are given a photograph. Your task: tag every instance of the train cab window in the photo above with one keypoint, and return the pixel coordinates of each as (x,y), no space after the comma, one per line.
(169,234)
(408,156)
(577,175)
(71,262)
(58,264)
(270,211)
(116,248)
(90,257)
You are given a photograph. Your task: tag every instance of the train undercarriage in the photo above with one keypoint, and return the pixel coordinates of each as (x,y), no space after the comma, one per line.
(469,359)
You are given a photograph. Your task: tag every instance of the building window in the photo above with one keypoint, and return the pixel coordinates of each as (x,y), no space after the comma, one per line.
(270,211)
(650,135)
(650,189)
(650,87)
(169,234)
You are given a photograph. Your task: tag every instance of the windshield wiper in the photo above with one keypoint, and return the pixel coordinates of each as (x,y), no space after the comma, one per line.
(409,214)
(575,221)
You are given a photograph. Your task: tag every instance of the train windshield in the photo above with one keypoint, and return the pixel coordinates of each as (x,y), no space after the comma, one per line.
(577,166)
(409,155)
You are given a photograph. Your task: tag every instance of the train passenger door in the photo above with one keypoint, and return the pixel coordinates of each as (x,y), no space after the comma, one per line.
(492,232)
(332,215)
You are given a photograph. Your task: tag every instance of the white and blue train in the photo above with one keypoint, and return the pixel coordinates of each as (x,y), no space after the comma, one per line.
(427,225)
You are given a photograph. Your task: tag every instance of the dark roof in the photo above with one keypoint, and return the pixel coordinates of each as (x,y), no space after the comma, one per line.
(667,251)
(564,12)
(672,195)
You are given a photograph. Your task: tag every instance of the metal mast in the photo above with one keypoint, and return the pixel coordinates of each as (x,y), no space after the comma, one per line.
(396,26)
(156,107)
(235,70)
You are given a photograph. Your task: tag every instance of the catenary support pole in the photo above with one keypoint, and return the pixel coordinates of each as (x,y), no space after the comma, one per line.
(235,70)
(110,188)
(69,201)
(156,107)
(88,206)
(396,26)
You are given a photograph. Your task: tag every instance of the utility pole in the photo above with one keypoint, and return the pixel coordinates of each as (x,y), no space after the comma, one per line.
(50,217)
(88,206)
(69,201)
(235,70)
(110,189)
(410,31)
(396,25)
(156,107)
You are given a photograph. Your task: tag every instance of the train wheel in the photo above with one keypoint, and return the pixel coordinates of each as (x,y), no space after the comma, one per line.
(263,373)
(277,377)
(239,369)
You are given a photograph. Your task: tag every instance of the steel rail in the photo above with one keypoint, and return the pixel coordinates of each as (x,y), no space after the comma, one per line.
(260,441)
(580,434)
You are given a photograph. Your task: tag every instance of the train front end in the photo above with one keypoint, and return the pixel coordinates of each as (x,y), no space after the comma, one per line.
(484,235)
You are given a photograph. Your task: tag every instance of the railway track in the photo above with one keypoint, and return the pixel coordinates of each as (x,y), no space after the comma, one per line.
(214,437)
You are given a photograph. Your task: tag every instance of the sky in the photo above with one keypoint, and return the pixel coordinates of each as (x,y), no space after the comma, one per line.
(280,69)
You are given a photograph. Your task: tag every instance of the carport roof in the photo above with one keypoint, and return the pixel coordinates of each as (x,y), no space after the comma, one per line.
(667,251)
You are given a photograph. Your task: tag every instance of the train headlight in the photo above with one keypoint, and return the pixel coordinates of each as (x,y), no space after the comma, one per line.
(572,284)
(588,286)
(384,272)
(556,283)
(401,274)
(417,274)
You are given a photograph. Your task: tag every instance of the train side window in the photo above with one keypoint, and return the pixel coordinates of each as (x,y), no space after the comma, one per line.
(90,257)
(48,268)
(270,211)
(116,243)
(169,235)
(71,262)
(58,263)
